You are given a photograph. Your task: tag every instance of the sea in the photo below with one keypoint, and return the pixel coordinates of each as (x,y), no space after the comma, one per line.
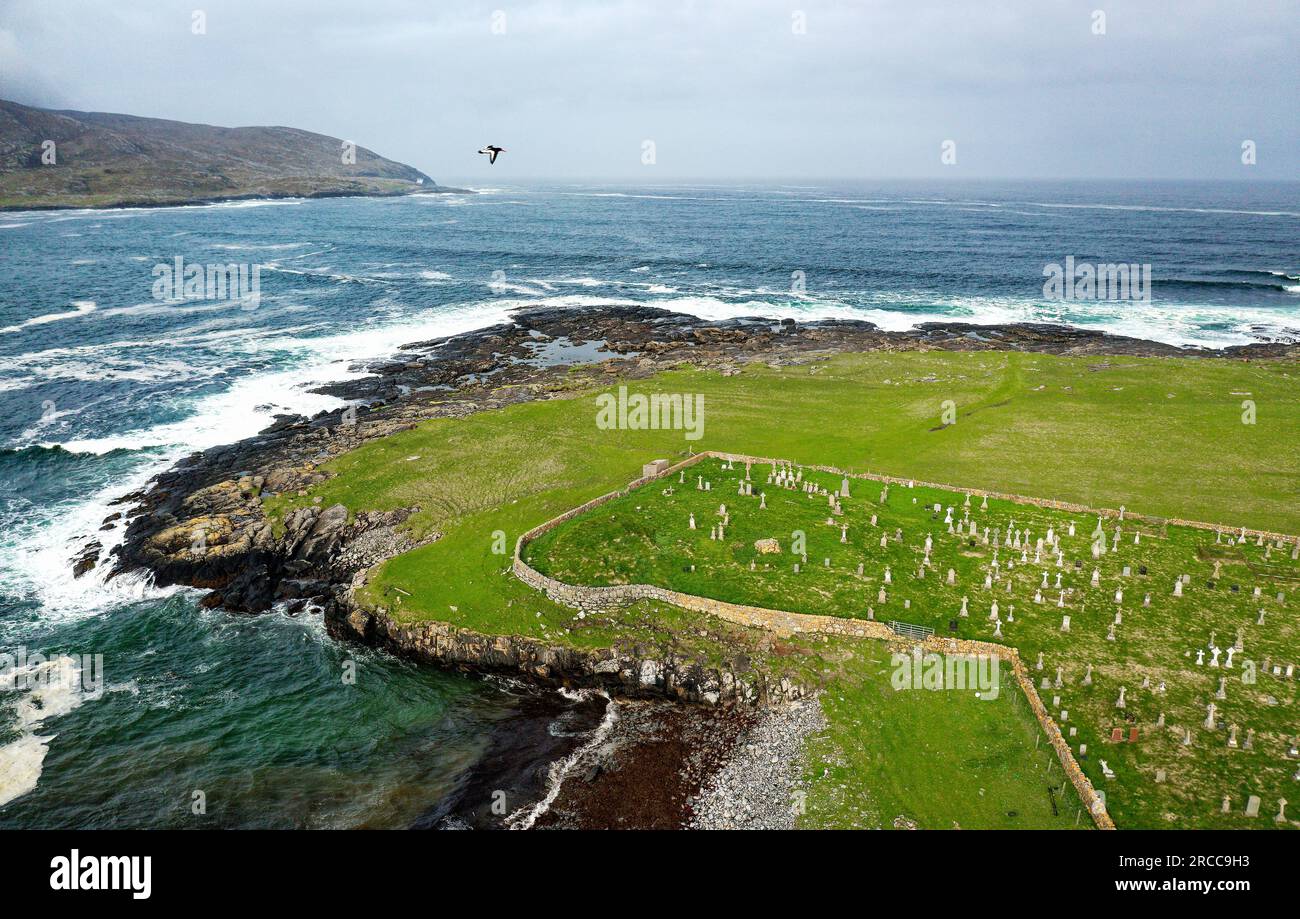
(125,705)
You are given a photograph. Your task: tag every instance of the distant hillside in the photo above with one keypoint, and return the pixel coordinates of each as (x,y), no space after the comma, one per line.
(104,160)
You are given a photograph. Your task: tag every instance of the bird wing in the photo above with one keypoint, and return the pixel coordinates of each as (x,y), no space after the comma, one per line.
(492,157)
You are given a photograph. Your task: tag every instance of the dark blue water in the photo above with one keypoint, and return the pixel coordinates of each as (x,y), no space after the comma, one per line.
(102,383)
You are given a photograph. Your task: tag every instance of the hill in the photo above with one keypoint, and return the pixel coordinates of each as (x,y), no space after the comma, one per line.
(108,160)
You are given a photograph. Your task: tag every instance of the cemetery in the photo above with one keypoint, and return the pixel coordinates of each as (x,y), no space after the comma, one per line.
(1163,650)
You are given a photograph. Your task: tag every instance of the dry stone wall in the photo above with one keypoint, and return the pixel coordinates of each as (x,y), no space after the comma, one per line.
(1018,499)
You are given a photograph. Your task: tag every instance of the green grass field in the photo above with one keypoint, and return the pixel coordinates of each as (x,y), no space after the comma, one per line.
(1162,436)
(941,760)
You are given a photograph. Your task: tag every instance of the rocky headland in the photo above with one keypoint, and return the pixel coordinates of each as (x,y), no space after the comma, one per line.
(65,159)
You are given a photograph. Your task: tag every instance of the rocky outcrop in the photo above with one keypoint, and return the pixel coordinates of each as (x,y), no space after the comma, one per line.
(636,673)
(217,538)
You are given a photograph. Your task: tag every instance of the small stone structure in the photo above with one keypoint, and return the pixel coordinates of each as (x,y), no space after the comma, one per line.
(654,468)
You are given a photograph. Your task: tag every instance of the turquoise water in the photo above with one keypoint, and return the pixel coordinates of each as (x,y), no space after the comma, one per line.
(252,713)
(101,385)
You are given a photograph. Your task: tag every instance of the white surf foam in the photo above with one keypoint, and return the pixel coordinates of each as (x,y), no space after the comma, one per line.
(252,402)
(80,308)
(525,817)
(1178,324)
(55,690)
(35,555)
(240,247)
(37,549)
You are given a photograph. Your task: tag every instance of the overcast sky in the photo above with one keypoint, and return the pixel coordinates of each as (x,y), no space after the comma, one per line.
(724,88)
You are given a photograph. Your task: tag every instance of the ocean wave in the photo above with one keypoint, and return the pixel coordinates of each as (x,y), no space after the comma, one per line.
(251,402)
(959,203)
(525,817)
(1166,283)
(252,247)
(1160,210)
(325,274)
(121,213)
(80,308)
(1176,324)
(621,194)
(88,309)
(549,284)
(508,287)
(39,543)
(122,369)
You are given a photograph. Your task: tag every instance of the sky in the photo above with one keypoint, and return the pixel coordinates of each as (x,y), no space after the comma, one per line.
(722,90)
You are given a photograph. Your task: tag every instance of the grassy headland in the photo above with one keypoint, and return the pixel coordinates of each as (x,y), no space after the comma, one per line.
(1162,436)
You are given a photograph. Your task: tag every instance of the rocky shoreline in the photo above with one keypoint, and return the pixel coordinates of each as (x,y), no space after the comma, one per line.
(201,524)
(631,673)
(759,786)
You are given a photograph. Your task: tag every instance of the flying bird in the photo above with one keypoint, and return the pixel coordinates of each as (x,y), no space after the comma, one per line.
(492,152)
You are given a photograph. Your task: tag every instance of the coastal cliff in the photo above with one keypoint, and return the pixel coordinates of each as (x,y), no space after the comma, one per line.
(626,675)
